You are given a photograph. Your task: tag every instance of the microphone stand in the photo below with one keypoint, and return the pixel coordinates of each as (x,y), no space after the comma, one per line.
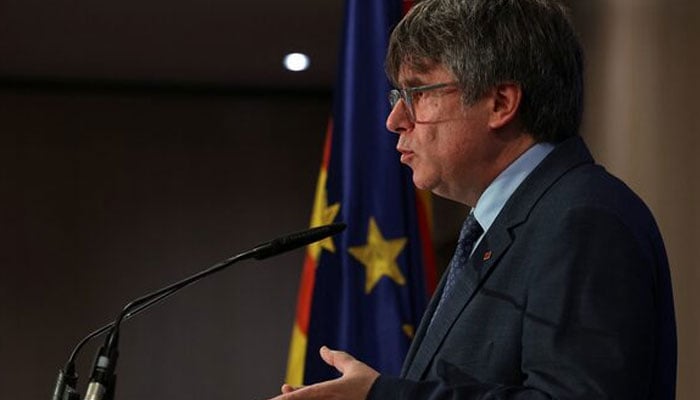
(103,378)
(65,388)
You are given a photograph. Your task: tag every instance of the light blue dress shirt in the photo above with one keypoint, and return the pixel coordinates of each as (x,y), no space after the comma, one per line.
(499,191)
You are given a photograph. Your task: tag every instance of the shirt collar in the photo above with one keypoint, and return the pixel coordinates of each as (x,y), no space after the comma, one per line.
(499,191)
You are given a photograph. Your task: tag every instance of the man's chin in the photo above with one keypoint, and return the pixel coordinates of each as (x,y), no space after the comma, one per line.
(422,183)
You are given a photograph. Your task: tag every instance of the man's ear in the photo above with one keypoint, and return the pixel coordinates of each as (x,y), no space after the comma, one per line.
(505,105)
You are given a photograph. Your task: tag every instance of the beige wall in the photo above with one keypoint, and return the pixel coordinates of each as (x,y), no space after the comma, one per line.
(642,122)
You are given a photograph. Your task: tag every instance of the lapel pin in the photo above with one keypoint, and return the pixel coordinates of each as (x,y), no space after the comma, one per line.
(487,255)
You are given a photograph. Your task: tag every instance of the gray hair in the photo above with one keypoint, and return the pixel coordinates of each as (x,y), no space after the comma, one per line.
(484,43)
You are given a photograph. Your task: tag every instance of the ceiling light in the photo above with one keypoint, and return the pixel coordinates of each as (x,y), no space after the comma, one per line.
(296,62)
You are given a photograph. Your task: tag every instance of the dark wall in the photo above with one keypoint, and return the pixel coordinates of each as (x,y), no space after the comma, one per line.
(107,195)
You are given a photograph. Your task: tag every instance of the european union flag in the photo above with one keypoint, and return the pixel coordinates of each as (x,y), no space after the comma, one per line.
(365,291)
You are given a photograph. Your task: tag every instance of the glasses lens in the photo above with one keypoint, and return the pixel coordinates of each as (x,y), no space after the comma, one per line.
(394,97)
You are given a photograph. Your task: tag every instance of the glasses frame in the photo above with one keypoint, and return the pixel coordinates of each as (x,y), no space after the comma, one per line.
(406,94)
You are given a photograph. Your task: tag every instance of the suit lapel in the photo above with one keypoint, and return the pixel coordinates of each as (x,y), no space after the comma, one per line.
(488,253)
(467,284)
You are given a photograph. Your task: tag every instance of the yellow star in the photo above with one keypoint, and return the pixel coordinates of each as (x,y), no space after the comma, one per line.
(378,257)
(408,330)
(322,214)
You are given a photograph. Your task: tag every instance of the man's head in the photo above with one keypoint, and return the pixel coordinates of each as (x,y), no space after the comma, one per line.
(484,43)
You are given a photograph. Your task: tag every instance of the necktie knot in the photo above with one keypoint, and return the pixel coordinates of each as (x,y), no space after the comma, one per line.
(471,230)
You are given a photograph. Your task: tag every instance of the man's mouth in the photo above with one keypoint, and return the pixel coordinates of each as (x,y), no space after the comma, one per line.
(406,155)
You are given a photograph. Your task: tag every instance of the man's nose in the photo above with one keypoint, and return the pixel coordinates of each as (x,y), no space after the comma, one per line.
(398,120)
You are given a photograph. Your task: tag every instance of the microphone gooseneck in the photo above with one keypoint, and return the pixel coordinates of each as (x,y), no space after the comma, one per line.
(103,378)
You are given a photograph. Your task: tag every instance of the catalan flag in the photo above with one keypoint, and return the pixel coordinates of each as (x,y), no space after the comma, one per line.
(364,291)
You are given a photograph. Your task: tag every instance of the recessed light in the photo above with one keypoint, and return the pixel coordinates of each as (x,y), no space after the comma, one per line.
(296,62)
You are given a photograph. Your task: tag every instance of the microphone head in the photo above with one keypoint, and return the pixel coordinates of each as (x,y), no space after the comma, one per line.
(297,239)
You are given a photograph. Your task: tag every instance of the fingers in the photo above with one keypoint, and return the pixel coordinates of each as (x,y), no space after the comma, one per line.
(355,383)
(287,388)
(338,359)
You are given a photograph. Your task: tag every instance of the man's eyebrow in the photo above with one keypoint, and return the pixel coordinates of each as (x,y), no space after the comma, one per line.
(411,82)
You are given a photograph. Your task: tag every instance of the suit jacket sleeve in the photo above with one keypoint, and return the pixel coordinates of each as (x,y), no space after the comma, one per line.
(588,320)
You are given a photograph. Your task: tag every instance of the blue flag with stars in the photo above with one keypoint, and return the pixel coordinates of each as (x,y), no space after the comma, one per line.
(364,291)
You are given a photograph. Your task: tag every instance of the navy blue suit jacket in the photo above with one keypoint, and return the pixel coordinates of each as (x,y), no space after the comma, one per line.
(567,296)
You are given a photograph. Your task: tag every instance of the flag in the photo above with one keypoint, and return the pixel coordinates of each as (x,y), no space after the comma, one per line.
(363,291)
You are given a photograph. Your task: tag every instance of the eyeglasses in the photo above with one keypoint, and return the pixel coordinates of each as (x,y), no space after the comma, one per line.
(410,94)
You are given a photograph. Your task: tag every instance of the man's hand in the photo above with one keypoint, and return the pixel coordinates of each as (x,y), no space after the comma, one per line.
(355,383)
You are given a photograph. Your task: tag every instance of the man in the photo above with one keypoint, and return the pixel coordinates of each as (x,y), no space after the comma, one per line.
(559,287)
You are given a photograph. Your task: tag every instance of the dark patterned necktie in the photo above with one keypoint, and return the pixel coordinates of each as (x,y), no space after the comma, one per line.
(471,231)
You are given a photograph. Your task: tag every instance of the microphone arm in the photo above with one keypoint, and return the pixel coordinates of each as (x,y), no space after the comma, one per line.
(102,380)
(65,387)
(66,383)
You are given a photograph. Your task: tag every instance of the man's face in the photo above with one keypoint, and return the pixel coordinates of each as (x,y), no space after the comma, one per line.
(447,145)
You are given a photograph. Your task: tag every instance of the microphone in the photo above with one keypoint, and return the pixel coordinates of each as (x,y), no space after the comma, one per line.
(103,379)
(295,240)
